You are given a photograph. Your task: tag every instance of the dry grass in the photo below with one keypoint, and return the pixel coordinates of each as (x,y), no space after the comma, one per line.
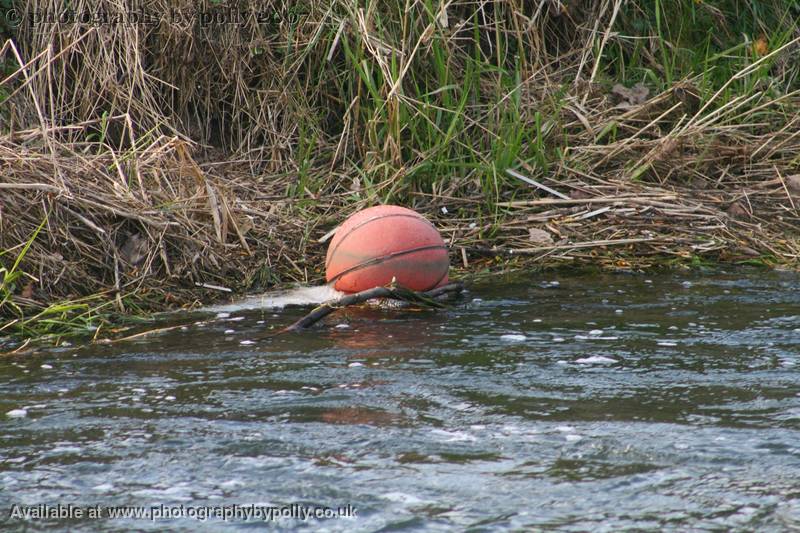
(168,156)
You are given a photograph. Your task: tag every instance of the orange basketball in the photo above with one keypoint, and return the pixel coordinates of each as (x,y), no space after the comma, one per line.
(384,242)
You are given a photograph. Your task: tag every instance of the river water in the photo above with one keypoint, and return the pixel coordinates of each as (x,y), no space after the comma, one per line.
(569,402)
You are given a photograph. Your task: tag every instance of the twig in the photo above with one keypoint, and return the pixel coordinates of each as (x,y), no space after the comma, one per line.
(640,199)
(140,334)
(213,287)
(537,250)
(514,174)
(426,299)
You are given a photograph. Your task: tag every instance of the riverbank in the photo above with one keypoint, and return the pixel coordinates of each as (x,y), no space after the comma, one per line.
(190,162)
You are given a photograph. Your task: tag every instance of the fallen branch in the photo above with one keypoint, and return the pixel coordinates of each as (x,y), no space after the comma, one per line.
(539,249)
(425,299)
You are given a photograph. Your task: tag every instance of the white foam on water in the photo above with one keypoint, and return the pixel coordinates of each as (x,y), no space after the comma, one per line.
(105,487)
(595,359)
(400,497)
(66,450)
(512,338)
(453,436)
(17,413)
(278,300)
(177,493)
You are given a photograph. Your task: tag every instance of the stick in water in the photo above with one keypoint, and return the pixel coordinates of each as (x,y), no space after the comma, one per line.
(426,299)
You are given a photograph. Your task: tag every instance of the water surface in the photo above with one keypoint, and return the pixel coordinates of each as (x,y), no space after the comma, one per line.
(564,402)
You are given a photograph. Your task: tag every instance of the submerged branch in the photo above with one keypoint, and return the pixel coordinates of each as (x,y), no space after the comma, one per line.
(424,299)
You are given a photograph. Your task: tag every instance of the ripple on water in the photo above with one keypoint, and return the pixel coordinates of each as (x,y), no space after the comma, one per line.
(679,413)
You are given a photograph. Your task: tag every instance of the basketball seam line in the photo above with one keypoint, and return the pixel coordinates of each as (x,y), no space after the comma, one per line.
(377,217)
(378,260)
